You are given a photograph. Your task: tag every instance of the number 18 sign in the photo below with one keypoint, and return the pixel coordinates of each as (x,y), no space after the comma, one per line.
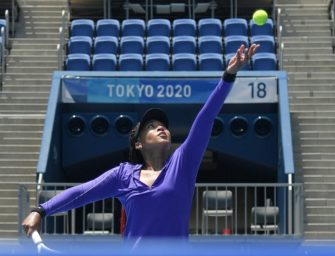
(254,90)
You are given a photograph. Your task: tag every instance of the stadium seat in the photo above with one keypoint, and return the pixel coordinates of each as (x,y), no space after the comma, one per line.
(132,44)
(216,203)
(211,62)
(108,27)
(184,62)
(266,29)
(157,62)
(80,44)
(82,27)
(183,44)
(210,44)
(159,27)
(104,62)
(267,43)
(264,61)
(78,62)
(158,44)
(133,27)
(99,223)
(105,44)
(184,27)
(264,219)
(235,26)
(210,27)
(227,58)
(131,62)
(232,43)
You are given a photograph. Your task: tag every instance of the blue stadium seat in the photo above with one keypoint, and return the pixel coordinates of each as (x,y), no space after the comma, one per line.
(106,44)
(78,62)
(267,43)
(157,62)
(227,58)
(80,44)
(159,27)
(158,44)
(235,26)
(184,44)
(82,27)
(184,27)
(264,61)
(232,43)
(184,62)
(104,62)
(211,62)
(108,27)
(266,29)
(131,62)
(132,44)
(133,27)
(210,44)
(210,27)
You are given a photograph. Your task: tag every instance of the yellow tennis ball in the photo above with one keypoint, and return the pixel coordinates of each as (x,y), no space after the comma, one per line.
(260,17)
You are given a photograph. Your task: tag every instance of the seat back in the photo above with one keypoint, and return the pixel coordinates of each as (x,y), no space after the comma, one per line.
(104,62)
(266,29)
(233,43)
(82,27)
(184,62)
(210,44)
(106,44)
(132,44)
(159,27)
(78,62)
(183,44)
(264,61)
(108,27)
(184,27)
(80,44)
(267,43)
(211,62)
(100,221)
(157,62)
(158,44)
(133,27)
(217,200)
(209,27)
(235,26)
(131,62)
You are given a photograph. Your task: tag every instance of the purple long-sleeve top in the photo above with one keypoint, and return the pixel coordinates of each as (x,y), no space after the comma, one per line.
(163,209)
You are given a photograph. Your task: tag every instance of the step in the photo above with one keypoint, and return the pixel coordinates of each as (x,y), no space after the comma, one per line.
(29,52)
(327,227)
(314,44)
(16,87)
(320,218)
(33,46)
(17,170)
(320,210)
(319,202)
(289,67)
(316,135)
(54,35)
(293,93)
(313,75)
(8,209)
(21,128)
(22,148)
(310,149)
(39,30)
(309,50)
(312,99)
(314,155)
(311,107)
(310,163)
(29,94)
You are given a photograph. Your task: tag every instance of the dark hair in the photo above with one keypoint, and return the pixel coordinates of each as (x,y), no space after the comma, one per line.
(135,156)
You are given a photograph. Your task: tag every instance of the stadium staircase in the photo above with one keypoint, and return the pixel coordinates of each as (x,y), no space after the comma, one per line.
(309,60)
(23,101)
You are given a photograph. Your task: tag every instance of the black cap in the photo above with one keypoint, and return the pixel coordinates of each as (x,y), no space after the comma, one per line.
(151,114)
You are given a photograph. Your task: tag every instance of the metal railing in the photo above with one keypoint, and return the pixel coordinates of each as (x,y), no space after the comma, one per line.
(235,215)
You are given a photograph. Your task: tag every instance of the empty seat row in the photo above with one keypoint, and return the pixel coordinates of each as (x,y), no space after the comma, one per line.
(163,62)
(163,27)
(159,44)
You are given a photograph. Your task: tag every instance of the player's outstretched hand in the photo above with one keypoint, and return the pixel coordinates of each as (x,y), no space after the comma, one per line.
(242,56)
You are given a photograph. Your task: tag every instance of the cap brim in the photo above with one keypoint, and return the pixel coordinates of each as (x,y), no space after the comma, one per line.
(153,114)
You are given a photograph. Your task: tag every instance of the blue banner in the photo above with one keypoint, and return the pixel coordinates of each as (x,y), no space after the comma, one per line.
(137,90)
(164,90)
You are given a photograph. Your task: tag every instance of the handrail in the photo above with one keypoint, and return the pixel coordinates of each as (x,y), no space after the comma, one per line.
(7,29)
(13,18)
(2,34)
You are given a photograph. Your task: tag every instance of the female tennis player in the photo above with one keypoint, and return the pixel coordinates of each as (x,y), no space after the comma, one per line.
(155,188)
